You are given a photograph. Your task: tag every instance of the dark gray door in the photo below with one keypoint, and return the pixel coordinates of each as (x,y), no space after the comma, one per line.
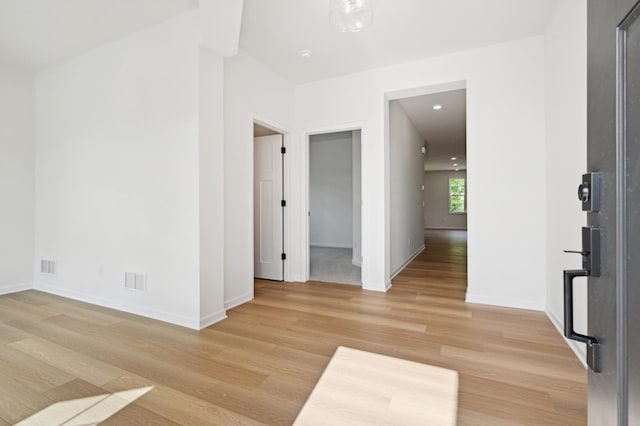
(614,150)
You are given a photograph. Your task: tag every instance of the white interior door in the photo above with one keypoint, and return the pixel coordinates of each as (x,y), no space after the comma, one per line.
(267,208)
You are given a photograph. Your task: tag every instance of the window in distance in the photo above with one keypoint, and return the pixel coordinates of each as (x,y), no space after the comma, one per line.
(456,195)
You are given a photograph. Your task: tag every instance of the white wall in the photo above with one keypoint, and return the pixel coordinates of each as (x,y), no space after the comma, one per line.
(406,163)
(436,201)
(117,172)
(251,91)
(566,156)
(356,161)
(211,167)
(505,113)
(331,190)
(16,179)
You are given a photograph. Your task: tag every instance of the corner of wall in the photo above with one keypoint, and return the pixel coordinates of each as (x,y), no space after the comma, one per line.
(237,301)
(209,320)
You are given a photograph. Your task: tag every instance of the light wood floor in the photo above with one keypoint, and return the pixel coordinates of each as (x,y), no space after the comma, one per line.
(260,365)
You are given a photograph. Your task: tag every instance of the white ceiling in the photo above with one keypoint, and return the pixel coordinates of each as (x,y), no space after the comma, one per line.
(445,130)
(38,33)
(275,31)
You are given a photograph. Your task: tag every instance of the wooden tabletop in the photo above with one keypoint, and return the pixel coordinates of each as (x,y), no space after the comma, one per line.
(363,388)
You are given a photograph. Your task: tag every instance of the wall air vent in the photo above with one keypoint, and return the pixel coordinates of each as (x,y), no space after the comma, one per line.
(135,281)
(47,267)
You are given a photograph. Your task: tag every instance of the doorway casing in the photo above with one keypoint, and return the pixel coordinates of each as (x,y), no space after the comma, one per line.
(307,205)
(286,176)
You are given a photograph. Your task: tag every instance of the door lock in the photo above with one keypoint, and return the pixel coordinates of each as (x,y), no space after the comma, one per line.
(584,192)
(590,250)
(589,192)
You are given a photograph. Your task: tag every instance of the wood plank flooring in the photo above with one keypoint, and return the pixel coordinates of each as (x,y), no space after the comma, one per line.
(260,365)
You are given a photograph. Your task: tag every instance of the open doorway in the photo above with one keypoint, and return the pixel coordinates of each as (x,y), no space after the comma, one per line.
(428,182)
(268,203)
(335,207)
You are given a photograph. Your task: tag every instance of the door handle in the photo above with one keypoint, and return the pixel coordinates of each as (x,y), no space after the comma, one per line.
(592,343)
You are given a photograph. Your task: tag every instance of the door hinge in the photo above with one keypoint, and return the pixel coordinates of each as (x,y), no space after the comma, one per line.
(283,256)
(283,203)
(283,150)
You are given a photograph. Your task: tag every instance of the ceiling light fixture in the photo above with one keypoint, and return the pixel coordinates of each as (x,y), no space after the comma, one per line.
(457,170)
(455,165)
(351,16)
(454,158)
(305,53)
(437,107)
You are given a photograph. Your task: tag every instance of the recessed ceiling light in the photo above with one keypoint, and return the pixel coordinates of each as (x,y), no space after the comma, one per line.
(455,165)
(305,53)
(454,158)
(457,170)
(437,107)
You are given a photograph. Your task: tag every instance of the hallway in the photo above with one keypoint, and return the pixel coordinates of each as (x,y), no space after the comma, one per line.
(441,269)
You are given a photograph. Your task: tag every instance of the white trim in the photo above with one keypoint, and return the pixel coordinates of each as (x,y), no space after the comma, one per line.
(331,245)
(237,301)
(180,320)
(452,228)
(435,87)
(357,263)
(15,288)
(306,235)
(404,265)
(287,226)
(429,89)
(577,348)
(506,303)
(213,318)
(387,286)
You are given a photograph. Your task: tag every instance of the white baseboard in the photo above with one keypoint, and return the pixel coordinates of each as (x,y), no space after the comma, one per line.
(404,265)
(114,304)
(213,318)
(506,303)
(237,301)
(380,289)
(15,288)
(452,228)
(578,349)
(331,245)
